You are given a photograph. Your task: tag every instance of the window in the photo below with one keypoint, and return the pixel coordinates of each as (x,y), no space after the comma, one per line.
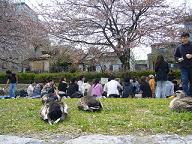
(162,50)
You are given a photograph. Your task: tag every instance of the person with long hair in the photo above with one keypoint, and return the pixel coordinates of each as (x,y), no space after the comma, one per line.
(96,88)
(62,88)
(161,70)
(145,88)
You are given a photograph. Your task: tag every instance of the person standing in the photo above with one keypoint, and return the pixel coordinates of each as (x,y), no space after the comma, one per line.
(13,80)
(183,56)
(169,88)
(161,70)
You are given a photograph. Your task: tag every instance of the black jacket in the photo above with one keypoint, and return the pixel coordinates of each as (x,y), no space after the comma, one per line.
(146,90)
(162,71)
(62,86)
(73,88)
(181,52)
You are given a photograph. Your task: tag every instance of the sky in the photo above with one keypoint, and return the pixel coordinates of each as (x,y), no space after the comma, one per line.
(137,51)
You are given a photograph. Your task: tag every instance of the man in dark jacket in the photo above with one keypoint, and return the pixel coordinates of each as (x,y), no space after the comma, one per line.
(183,55)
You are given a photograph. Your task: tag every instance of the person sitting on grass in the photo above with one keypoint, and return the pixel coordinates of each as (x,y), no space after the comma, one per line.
(135,86)
(96,89)
(73,89)
(112,88)
(145,88)
(30,89)
(152,84)
(37,90)
(127,88)
(47,87)
(86,88)
(62,88)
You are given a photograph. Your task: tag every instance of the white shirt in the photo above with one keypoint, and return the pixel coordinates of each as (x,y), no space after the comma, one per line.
(111,87)
(86,86)
(30,90)
(81,86)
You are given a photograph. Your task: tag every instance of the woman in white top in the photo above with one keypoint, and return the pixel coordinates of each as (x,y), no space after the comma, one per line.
(81,84)
(30,89)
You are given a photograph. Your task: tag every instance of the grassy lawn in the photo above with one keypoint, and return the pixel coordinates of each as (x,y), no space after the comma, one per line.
(119,116)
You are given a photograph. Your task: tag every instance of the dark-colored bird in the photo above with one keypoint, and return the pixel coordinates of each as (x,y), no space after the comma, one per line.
(89,103)
(54,111)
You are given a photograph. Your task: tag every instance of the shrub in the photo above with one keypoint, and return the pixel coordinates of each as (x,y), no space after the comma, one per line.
(28,77)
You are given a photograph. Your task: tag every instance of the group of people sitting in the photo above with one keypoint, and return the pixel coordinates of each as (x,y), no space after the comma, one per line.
(145,87)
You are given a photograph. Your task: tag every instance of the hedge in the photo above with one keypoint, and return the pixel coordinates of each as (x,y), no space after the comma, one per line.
(28,77)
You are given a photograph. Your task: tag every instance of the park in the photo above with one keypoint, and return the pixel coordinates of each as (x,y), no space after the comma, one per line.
(95,71)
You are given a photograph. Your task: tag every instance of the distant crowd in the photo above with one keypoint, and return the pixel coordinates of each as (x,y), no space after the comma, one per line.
(144,87)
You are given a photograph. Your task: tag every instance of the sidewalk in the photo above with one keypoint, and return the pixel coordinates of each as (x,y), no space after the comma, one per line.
(102,139)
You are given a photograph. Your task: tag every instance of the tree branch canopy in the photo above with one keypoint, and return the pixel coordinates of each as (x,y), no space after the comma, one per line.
(114,23)
(19,31)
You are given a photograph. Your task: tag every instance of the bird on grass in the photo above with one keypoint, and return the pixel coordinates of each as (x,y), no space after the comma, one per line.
(181,102)
(54,111)
(89,103)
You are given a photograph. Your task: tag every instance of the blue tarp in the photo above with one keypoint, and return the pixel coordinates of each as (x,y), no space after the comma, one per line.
(5,97)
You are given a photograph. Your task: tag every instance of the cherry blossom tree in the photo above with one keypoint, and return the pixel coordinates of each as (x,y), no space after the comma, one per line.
(117,24)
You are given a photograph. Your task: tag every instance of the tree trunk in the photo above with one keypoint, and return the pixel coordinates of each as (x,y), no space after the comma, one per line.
(125,59)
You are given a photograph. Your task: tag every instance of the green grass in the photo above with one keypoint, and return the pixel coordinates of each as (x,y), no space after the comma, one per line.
(119,116)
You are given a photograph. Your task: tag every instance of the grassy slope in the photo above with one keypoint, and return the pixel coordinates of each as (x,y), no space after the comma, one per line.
(120,116)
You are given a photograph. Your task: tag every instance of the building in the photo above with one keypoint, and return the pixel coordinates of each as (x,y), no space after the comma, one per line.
(106,62)
(14,50)
(40,64)
(141,65)
(167,49)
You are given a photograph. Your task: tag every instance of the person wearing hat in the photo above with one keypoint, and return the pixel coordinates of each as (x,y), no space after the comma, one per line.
(183,56)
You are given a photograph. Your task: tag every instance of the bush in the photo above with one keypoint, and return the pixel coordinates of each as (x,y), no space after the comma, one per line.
(28,77)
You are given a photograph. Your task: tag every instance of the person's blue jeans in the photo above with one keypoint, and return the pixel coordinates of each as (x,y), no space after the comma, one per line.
(161,89)
(186,78)
(12,88)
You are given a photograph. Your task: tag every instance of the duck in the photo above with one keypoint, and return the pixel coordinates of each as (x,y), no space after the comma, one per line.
(54,96)
(89,103)
(54,111)
(181,102)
